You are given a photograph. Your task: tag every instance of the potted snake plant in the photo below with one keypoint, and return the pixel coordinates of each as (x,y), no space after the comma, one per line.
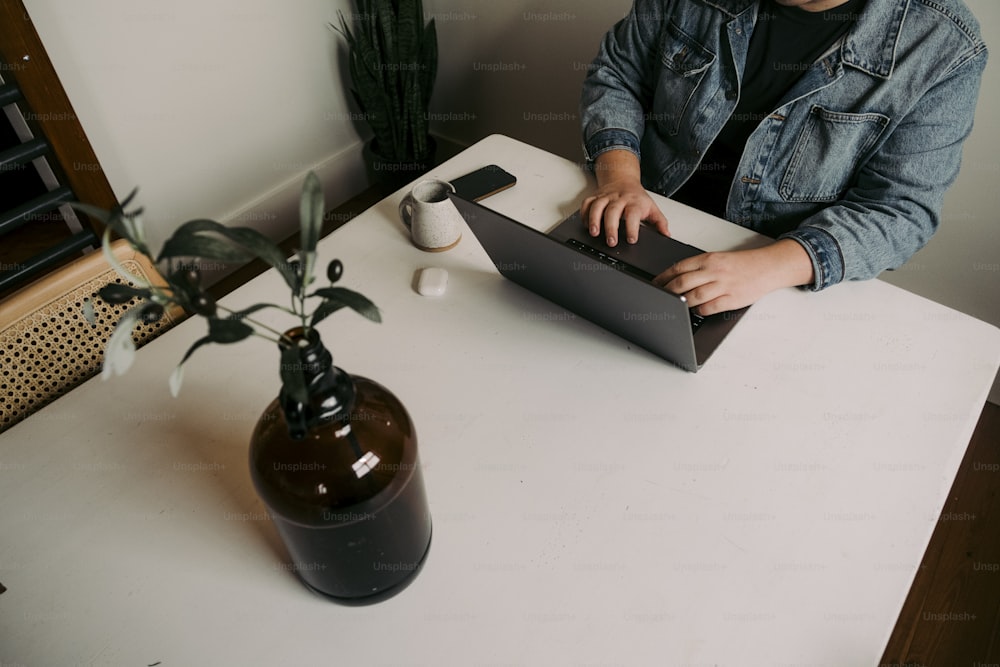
(392,60)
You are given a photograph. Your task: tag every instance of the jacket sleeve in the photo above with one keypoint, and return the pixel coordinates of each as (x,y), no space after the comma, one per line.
(617,90)
(894,206)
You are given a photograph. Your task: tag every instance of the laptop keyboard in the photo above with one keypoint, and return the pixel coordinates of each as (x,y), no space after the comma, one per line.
(614,262)
(610,260)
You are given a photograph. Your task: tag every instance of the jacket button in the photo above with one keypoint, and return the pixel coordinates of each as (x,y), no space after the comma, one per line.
(730,94)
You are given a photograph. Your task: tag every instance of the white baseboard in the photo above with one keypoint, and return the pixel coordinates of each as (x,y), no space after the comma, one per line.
(343,175)
(276,213)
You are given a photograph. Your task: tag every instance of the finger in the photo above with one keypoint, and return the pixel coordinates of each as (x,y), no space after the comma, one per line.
(675,270)
(595,214)
(632,221)
(662,279)
(658,220)
(689,283)
(696,296)
(612,221)
(711,298)
(718,304)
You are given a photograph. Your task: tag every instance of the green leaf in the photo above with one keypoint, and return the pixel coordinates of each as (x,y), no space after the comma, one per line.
(205,247)
(242,314)
(383,13)
(127,225)
(412,103)
(176,378)
(228,331)
(311,212)
(115,293)
(88,312)
(373,93)
(119,353)
(293,377)
(196,237)
(128,200)
(109,256)
(311,224)
(335,298)
(325,309)
(429,57)
(220,331)
(94,212)
(204,340)
(135,232)
(407,35)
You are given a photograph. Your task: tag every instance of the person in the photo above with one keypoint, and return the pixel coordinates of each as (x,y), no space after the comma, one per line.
(832,126)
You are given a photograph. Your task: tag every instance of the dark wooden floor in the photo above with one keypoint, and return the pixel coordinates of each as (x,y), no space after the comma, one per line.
(951,617)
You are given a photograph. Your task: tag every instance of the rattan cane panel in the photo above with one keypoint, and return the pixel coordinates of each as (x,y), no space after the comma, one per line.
(54,348)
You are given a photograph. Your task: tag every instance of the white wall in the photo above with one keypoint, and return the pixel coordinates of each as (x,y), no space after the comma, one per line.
(217,109)
(515,67)
(960,267)
(206,106)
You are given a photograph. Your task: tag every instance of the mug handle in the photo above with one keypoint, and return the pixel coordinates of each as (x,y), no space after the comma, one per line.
(406,209)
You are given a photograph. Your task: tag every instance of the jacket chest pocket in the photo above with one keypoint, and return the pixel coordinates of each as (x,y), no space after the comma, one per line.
(828,152)
(683,64)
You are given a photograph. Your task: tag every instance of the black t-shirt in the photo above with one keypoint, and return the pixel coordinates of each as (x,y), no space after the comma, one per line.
(786,41)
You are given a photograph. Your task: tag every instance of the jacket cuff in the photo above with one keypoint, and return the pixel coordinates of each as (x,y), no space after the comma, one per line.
(610,139)
(825,253)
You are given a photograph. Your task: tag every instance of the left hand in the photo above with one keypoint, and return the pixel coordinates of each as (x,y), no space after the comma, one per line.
(714,282)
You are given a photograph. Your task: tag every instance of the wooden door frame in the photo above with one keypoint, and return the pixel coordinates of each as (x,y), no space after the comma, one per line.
(49,112)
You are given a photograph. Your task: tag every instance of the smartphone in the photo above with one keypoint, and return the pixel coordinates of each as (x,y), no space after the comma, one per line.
(483,182)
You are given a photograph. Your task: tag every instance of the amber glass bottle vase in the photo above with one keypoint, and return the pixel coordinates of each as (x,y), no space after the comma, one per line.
(341,479)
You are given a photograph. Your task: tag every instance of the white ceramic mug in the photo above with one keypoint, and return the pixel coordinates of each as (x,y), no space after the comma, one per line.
(435,224)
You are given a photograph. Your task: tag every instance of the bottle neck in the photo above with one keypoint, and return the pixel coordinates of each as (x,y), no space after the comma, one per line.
(329,389)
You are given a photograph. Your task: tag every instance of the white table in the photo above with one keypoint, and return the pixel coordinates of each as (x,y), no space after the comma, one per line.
(592,504)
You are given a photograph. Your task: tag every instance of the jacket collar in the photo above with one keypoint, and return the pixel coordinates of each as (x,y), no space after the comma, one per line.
(869,46)
(731,7)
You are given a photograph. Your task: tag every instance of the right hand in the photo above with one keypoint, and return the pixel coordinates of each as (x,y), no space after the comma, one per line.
(620,197)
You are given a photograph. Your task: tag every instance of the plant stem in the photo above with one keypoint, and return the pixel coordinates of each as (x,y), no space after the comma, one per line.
(302,309)
(276,341)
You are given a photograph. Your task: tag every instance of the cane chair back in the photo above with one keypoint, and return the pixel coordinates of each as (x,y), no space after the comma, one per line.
(47,345)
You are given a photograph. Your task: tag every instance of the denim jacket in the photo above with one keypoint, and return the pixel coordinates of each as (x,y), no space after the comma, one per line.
(852,164)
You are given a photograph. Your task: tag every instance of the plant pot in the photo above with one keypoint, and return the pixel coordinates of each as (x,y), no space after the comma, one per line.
(341,479)
(394,174)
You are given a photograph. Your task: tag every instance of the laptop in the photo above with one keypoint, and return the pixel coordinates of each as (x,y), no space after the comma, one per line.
(610,287)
